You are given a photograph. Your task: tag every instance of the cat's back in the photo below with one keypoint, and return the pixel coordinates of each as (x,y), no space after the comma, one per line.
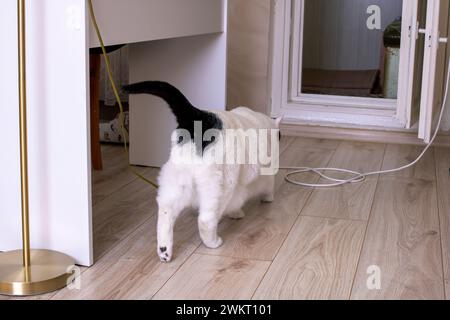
(245,118)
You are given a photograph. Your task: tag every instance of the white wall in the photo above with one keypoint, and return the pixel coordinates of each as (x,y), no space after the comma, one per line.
(248,54)
(59,161)
(9,153)
(337,37)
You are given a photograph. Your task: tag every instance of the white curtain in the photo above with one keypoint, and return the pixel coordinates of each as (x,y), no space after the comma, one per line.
(120,70)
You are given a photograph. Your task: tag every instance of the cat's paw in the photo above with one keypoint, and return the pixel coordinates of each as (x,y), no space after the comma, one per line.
(165,254)
(237,215)
(214,244)
(268,198)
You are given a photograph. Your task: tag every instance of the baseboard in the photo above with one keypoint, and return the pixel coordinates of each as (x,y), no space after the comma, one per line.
(359,134)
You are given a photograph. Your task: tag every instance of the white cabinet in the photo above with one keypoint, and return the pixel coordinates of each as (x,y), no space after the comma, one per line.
(132,21)
(181,42)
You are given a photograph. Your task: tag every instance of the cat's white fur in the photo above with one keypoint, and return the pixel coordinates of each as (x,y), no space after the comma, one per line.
(216,190)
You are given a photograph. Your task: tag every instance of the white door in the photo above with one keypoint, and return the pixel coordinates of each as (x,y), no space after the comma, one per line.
(411,84)
(433,66)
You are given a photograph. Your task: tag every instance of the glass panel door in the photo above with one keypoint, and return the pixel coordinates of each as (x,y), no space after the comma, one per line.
(434,75)
(410,89)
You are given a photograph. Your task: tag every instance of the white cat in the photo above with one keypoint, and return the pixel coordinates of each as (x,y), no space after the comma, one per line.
(215,188)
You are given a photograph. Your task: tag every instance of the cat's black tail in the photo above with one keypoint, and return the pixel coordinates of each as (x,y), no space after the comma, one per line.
(185,113)
(183,110)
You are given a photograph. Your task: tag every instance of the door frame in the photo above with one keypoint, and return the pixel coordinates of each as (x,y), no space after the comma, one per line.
(299,108)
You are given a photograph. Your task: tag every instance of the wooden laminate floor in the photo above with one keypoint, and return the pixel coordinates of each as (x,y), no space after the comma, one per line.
(308,244)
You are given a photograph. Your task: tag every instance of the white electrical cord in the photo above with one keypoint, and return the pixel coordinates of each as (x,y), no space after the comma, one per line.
(358,176)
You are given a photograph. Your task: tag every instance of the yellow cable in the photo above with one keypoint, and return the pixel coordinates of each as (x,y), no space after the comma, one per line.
(116,94)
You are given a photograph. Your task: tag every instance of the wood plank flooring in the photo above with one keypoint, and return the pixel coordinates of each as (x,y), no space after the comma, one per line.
(214,277)
(352,201)
(308,244)
(317,261)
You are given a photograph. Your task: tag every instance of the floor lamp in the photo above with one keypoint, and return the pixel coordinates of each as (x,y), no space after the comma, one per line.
(30,272)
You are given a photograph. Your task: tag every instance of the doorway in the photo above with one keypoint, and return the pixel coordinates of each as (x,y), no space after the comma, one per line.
(358,63)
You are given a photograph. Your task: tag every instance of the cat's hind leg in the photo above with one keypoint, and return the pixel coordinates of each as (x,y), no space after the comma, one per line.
(208,222)
(167,217)
(234,209)
(174,196)
(212,207)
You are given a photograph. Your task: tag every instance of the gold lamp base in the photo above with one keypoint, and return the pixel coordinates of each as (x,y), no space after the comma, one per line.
(49,271)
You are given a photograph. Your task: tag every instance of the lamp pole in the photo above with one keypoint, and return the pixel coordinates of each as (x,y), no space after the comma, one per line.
(23,133)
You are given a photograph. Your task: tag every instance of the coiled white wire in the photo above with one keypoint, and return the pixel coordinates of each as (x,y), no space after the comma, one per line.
(358,177)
